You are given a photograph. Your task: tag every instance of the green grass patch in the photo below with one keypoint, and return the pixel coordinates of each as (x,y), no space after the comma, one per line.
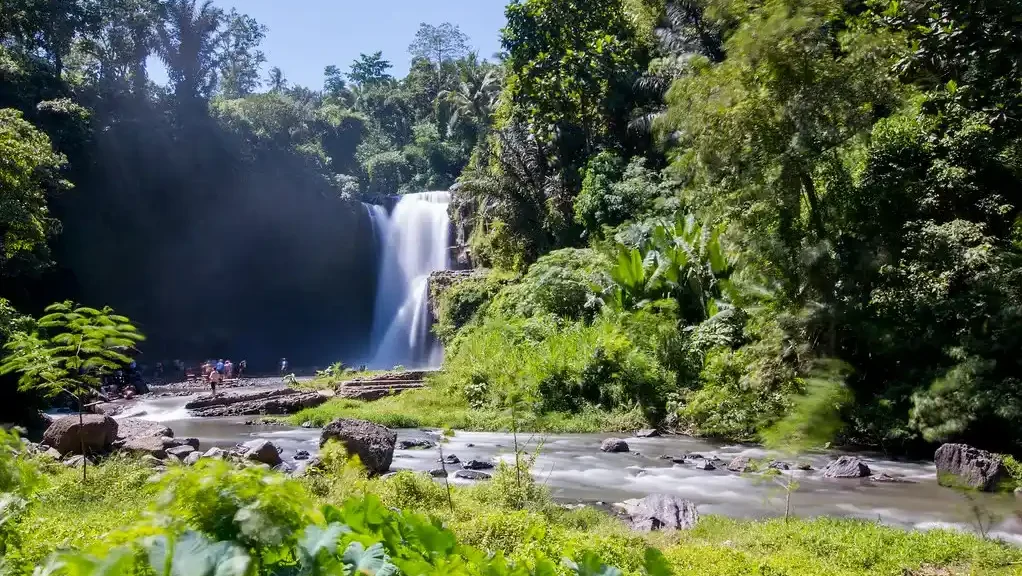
(433,408)
(67,513)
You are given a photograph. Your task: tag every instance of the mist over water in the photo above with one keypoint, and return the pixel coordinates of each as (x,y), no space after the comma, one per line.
(414,240)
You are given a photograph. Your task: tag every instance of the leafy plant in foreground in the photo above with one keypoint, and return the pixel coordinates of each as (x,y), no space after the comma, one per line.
(214,520)
(70,351)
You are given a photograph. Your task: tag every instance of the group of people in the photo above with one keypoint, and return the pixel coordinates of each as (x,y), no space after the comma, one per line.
(216,372)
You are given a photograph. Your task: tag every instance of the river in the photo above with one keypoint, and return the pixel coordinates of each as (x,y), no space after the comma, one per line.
(574,469)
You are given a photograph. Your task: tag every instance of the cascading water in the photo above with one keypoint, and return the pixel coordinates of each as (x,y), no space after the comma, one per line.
(414,241)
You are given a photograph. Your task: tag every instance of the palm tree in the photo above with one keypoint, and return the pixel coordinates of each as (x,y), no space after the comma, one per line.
(475,97)
(187,45)
(276,80)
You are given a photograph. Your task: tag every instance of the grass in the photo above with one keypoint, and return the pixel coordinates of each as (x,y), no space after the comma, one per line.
(69,514)
(432,408)
(518,521)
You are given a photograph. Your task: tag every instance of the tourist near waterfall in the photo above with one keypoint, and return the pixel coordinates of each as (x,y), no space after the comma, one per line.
(533,287)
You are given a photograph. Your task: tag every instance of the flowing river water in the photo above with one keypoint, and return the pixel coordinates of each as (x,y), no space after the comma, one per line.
(575,470)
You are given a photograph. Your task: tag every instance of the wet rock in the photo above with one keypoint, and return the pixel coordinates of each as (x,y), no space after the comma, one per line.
(284,468)
(374,444)
(740,464)
(614,445)
(665,457)
(307,424)
(647,433)
(705,465)
(961,465)
(180,452)
(150,445)
(97,434)
(302,455)
(107,409)
(804,466)
(416,444)
(192,458)
(778,465)
(282,401)
(471,475)
(694,456)
(438,473)
(152,461)
(215,453)
(128,428)
(261,451)
(659,512)
(477,465)
(678,460)
(846,467)
(193,442)
(450,459)
(884,478)
(470,445)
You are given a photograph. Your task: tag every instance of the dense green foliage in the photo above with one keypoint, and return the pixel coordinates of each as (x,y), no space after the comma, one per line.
(802,185)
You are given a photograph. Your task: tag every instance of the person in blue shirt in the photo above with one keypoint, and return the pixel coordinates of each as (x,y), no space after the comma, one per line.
(220,366)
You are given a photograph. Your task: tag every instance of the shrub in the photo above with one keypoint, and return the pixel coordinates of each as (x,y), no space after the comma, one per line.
(559,283)
(463,300)
(387,171)
(612,194)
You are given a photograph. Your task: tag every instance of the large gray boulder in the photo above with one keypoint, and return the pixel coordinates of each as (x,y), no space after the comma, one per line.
(740,464)
(151,445)
(98,433)
(614,445)
(374,444)
(962,466)
(128,428)
(261,451)
(846,467)
(659,512)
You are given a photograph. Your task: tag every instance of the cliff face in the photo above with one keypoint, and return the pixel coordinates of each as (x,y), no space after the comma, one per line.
(441,280)
(462,210)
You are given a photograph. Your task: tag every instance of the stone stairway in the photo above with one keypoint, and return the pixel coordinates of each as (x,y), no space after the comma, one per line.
(376,387)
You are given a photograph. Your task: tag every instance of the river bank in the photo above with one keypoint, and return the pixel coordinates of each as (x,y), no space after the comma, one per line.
(97,516)
(574,468)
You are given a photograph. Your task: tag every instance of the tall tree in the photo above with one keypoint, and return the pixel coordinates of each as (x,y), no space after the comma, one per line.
(370,69)
(276,80)
(334,86)
(439,45)
(29,172)
(239,55)
(188,46)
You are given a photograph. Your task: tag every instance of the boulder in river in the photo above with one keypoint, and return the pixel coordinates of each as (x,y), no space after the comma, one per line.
(438,473)
(449,459)
(471,475)
(261,451)
(416,444)
(846,467)
(192,458)
(128,428)
(98,433)
(302,455)
(281,401)
(477,465)
(740,464)
(961,465)
(647,433)
(706,464)
(374,444)
(614,445)
(660,512)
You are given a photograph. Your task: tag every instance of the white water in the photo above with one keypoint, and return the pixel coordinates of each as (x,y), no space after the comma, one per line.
(414,241)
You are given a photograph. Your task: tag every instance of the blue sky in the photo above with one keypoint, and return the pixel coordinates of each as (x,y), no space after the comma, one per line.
(306,35)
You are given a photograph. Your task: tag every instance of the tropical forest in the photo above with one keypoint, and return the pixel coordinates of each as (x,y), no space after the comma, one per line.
(627,287)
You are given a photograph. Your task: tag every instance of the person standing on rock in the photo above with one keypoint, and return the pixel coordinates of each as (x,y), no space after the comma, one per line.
(241,368)
(283,366)
(228,369)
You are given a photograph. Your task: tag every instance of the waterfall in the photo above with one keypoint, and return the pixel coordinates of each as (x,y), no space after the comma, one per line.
(414,241)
